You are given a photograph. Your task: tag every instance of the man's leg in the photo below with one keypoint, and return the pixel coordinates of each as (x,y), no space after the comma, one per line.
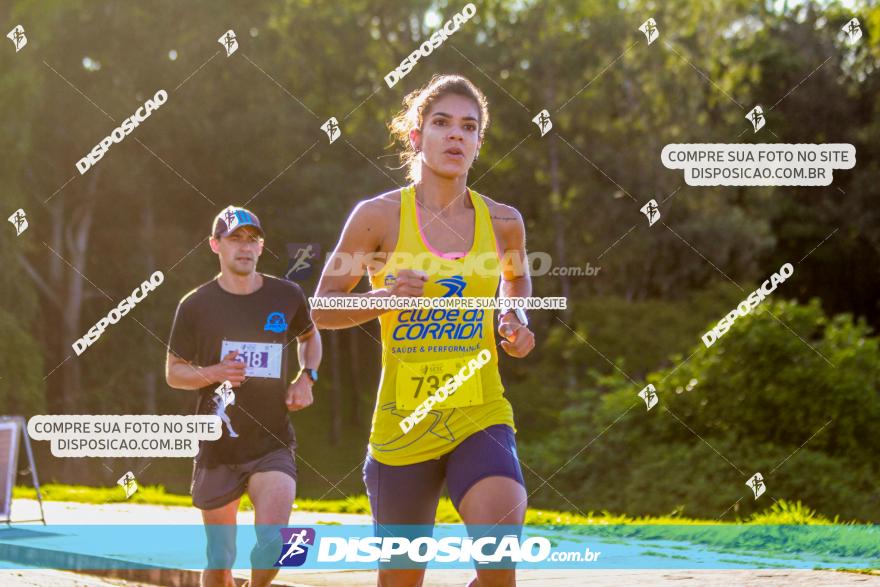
(220,530)
(272,493)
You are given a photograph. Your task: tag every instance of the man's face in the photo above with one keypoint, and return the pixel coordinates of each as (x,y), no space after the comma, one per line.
(239,251)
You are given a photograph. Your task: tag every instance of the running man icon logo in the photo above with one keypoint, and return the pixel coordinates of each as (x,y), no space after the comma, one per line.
(756,483)
(652,211)
(756,117)
(17,37)
(454,286)
(223,398)
(542,119)
(234,216)
(649,394)
(295,548)
(299,260)
(331,127)
(649,27)
(229,42)
(19,221)
(128,483)
(230,216)
(853,30)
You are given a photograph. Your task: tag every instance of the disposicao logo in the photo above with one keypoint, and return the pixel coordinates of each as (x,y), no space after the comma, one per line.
(295,548)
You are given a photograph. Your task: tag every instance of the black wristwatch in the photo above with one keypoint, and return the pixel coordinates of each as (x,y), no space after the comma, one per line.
(311,374)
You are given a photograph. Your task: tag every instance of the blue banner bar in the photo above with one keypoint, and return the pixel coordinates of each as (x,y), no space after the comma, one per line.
(448,546)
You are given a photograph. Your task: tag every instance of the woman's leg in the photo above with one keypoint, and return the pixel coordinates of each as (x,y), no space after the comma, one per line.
(404,495)
(486,485)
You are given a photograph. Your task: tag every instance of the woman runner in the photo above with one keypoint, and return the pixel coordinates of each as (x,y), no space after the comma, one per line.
(438,238)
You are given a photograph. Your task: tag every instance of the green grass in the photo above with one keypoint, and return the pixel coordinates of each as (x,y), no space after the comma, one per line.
(782,513)
(153,495)
(156,495)
(860,571)
(359,504)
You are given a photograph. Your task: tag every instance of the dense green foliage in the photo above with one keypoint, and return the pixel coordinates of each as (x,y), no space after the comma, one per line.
(247,129)
(759,400)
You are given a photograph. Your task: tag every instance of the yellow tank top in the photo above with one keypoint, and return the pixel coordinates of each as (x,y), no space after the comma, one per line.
(420,337)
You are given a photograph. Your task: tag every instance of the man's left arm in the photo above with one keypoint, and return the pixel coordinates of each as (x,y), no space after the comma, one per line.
(515,280)
(308,352)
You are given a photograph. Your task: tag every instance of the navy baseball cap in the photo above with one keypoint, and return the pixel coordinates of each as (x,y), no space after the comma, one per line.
(233,218)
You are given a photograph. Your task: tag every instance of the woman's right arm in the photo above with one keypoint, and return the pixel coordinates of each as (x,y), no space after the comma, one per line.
(358,245)
(346,266)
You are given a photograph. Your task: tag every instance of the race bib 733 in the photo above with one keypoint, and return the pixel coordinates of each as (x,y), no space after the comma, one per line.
(416,381)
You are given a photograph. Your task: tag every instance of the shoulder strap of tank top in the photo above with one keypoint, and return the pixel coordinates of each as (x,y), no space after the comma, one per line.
(409,230)
(483,218)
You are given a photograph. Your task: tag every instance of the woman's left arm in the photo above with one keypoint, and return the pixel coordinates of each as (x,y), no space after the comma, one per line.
(510,232)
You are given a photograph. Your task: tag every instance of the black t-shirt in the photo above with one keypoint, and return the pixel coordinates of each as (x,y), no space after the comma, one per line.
(260,325)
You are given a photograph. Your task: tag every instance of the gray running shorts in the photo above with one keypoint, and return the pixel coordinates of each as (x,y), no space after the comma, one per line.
(214,487)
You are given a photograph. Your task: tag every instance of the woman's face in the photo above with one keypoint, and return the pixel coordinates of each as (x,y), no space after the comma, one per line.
(450,136)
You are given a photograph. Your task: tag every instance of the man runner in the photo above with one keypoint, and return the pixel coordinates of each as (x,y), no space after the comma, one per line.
(236,328)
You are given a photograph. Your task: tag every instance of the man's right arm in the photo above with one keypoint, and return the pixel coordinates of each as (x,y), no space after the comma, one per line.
(181,374)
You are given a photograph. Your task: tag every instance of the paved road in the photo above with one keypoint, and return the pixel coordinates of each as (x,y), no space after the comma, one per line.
(774,578)
(51,578)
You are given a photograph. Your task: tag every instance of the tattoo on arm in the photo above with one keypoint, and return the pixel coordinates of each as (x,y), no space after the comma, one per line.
(503,217)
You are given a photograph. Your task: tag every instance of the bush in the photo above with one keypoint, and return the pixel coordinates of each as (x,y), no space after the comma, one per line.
(637,336)
(786,392)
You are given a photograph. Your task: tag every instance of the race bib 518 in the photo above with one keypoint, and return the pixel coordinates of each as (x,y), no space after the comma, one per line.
(261,359)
